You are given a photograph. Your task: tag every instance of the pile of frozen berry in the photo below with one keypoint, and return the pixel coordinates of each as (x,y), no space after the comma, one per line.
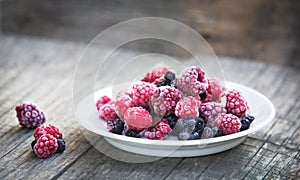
(47,139)
(188,106)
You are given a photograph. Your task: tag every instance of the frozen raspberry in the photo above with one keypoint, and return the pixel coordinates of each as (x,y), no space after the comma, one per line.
(159,131)
(137,118)
(228,123)
(29,115)
(122,103)
(164,100)
(142,92)
(192,81)
(103,100)
(107,112)
(235,103)
(45,146)
(210,110)
(48,129)
(188,107)
(156,73)
(215,91)
(115,126)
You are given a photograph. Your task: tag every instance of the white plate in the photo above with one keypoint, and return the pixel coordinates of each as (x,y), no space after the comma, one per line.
(260,106)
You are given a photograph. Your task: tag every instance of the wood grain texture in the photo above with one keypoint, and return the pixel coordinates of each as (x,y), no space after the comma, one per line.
(41,71)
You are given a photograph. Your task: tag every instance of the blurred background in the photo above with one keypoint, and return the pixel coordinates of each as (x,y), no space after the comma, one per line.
(260,30)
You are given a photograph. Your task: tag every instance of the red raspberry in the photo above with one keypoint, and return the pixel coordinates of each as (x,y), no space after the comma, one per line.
(235,103)
(29,115)
(137,118)
(103,100)
(45,146)
(107,112)
(188,107)
(49,129)
(192,81)
(159,131)
(228,123)
(164,100)
(142,92)
(156,73)
(210,110)
(122,103)
(215,90)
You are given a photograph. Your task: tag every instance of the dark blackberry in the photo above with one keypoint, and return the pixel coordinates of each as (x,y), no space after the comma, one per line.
(132,133)
(115,126)
(219,133)
(172,120)
(245,124)
(170,76)
(202,95)
(163,83)
(200,125)
(61,146)
(33,143)
(250,118)
(194,136)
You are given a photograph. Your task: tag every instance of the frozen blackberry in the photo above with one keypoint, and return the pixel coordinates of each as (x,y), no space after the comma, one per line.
(250,118)
(245,124)
(163,83)
(172,120)
(33,143)
(219,133)
(132,133)
(115,126)
(61,146)
(194,136)
(200,125)
(184,125)
(170,76)
(202,95)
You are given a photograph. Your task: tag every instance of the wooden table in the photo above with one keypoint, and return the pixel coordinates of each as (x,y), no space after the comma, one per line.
(41,71)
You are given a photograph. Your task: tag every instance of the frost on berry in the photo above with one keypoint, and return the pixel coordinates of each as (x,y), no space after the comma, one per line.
(48,129)
(192,81)
(236,103)
(214,91)
(29,115)
(138,118)
(228,123)
(45,146)
(107,112)
(103,100)
(159,131)
(142,92)
(187,107)
(122,103)
(210,110)
(164,100)
(157,72)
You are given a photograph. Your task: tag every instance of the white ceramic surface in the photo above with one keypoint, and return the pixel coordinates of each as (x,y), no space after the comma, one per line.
(260,106)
